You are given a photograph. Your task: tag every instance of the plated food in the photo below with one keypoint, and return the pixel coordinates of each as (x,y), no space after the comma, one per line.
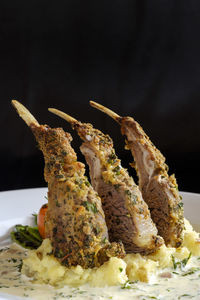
(110,232)
(25,202)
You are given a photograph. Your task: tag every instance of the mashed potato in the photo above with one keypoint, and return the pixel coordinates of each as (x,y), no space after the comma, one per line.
(45,268)
(191,239)
(139,267)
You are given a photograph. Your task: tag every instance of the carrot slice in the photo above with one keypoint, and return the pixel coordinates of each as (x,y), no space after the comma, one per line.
(41,220)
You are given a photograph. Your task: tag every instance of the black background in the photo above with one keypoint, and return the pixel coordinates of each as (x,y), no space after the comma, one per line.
(140,58)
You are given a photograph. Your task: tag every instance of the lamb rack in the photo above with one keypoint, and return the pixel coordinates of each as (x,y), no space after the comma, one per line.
(159,190)
(75,221)
(127,215)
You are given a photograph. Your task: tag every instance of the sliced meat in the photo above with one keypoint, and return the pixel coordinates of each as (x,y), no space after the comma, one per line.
(127,215)
(75,221)
(159,190)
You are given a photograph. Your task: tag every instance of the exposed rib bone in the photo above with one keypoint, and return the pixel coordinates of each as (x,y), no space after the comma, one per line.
(107,111)
(24,113)
(63,115)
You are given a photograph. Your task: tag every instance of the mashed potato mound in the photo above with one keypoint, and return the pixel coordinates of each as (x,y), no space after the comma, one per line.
(191,239)
(164,255)
(140,267)
(45,268)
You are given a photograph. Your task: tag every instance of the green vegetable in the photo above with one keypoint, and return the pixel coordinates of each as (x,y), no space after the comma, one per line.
(35,218)
(26,236)
(181,263)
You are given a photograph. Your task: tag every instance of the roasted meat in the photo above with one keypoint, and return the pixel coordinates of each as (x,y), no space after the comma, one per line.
(75,221)
(159,190)
(127,215)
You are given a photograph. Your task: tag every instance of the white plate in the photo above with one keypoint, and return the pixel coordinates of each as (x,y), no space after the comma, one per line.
(18,206)
(20,203)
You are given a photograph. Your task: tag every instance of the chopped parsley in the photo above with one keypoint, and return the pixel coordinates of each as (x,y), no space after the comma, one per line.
(191,271)
(127,284)
(117,170)
(180,204)
(132,196)
(181,263)
(112,158)
(104,240)
(184,295)
(90,206)
(116,186)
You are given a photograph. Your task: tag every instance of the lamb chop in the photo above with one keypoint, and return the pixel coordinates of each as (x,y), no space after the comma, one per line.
(127,215)
(159,190)
(75,221)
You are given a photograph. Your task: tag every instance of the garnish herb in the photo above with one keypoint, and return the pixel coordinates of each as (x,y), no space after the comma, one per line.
(104,240)
(127,192)
(90,206)
(133,197)
(112,158)
(117,170)
(185,260)
(19,267)
(127,284)
(184,295)
(14,260)
(181,263)
(180,204)
(191,271)
(116,186)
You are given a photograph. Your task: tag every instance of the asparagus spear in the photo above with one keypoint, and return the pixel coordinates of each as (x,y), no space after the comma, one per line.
(26,236)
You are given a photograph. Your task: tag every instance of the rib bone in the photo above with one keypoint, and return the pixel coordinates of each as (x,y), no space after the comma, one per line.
(24,113)
(107,111)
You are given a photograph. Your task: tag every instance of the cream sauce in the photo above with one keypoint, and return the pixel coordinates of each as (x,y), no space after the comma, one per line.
(183,284)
